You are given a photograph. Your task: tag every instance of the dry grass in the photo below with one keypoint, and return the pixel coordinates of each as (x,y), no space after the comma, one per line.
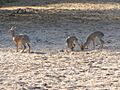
(84,11)
(48,68)
(71,6)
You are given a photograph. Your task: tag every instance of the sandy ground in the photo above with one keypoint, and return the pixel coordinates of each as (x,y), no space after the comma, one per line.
(48,68)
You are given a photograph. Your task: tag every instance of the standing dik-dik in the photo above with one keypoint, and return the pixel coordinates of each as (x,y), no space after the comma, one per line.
(71,42)
(20,39)
(92,38)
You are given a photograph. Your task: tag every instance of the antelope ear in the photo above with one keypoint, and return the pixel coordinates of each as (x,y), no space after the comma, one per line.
(14,27)
(11,28)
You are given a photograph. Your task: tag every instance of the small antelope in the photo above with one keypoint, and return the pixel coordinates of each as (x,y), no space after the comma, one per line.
(20,39)
(92,37)
(71,41)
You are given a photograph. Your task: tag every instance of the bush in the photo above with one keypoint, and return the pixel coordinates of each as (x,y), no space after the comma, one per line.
(6,1)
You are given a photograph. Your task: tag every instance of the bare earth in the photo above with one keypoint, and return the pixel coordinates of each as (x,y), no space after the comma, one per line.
(47,67)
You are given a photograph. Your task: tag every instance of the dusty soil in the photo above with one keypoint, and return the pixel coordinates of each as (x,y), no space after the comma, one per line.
(47,67)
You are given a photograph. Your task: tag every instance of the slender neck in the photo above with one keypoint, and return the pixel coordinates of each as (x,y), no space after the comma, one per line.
(13,33)
(86,43)
(77,42)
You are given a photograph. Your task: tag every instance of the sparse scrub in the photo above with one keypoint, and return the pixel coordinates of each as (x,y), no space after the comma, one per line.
(2,2)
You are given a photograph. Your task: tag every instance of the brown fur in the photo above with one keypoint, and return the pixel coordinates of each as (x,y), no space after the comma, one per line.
(92,38)
(20,39)
(71,42)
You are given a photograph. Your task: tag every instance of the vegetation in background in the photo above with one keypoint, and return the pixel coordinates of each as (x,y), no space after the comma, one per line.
(2,2)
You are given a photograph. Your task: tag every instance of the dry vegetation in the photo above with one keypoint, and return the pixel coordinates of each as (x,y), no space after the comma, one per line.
(48,25)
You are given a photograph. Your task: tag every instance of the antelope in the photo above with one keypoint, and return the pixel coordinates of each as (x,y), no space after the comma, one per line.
(92,38)
(20,39)
(71,42)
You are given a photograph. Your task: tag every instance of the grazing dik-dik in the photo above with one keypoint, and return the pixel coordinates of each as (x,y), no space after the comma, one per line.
(92,38)
(20,39)
(71,42)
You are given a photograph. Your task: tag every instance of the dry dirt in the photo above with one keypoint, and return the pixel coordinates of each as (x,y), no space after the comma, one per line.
(47,67)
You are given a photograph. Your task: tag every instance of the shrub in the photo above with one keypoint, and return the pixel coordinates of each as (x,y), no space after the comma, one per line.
(6,1)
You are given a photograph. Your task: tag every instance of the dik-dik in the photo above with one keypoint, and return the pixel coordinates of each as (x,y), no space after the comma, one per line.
(71,42)
(20,39)
(92,38)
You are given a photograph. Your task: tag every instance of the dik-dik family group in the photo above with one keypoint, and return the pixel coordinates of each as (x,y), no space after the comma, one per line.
(22,39)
